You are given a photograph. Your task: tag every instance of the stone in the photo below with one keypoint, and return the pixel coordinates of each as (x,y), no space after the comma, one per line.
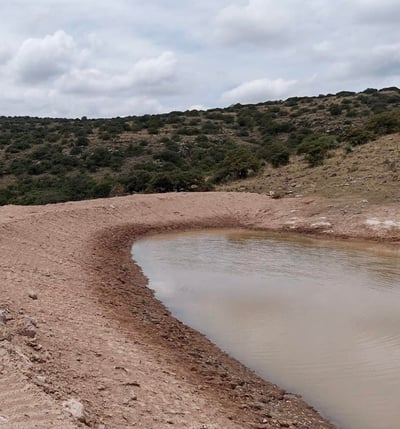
(33,295)
(4,334)
(29,329)
(75,408)
(3,316)
(41,379)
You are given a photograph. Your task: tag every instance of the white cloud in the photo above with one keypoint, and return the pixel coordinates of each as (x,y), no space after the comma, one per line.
(198,107)
(153,70)
(381,61)
(257,21)
(258,90)
(100,58)
(375,11)
(148,74)
(38,60)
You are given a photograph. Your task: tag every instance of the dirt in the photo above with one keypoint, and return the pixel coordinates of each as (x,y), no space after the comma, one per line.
(83,341)
(370,171)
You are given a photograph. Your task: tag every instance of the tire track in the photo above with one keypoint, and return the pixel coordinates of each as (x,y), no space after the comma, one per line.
(24,406)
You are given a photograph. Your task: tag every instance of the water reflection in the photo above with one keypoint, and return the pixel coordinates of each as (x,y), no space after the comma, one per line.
(318,318)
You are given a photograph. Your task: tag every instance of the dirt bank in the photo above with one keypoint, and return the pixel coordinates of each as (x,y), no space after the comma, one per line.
(83,342)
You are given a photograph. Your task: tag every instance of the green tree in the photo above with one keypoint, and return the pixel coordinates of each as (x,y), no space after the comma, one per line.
(239,163)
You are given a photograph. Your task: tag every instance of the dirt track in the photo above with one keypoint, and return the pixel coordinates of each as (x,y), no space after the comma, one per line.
(76,320)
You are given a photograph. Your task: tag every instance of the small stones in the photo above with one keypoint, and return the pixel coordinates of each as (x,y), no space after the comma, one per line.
(41,379)
(4,334)
(132,383)
(29,329)
(33,295)
(257,406)
(3,316)
(75,408)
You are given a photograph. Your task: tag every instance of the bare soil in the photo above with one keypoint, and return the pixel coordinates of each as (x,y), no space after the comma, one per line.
(370,171)
(77,321)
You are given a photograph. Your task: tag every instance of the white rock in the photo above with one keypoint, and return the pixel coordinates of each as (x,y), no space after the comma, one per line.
(75,408)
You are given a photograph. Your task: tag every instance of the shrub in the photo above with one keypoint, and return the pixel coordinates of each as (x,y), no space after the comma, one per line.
(176,181)
(358,136)
(384,123)
(238,164)
(277,154)
(136,181)
(335,109)
(280,158)
(315,148)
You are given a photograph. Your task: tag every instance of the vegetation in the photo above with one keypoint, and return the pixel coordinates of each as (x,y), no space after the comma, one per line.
(45,160)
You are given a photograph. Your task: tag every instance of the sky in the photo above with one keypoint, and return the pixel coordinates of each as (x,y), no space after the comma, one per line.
(100,58)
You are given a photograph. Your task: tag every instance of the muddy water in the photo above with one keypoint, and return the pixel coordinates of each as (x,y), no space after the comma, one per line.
(318,318)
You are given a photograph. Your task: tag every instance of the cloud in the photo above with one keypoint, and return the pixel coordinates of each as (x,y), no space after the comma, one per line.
(198,107)
(147,75)
(373,11)
(153,70)
(257,21)
(100,58)
(381,61)
(258,90)
(39,60)
(53,76)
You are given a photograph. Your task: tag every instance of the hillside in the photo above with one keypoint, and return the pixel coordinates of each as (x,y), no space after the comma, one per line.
(329,145)
(369,172)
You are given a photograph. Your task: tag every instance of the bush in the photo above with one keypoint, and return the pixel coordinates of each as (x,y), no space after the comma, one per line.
(384,123)
(277,154)
(280,158)
(358,136)
(176,181)
(238,164)
(315,148)
(136,181)
(335,109)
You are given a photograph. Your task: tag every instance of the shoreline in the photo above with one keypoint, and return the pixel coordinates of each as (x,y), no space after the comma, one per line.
(103,339)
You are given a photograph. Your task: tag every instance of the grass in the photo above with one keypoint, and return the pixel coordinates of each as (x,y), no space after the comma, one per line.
(370,171)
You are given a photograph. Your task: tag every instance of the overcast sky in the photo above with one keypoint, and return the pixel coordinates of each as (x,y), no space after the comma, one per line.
(103,58)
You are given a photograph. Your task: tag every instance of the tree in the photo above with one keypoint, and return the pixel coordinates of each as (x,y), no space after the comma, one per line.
(239,163)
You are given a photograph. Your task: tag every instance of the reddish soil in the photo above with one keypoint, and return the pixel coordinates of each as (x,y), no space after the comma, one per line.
(78,322)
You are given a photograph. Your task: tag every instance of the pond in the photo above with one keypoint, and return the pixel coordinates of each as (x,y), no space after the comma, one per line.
(319,318)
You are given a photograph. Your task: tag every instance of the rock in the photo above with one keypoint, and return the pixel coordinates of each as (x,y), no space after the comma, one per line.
(41,379)
(4,334)
(29,329)
(257,406)
(33,295)
(75,408)
(3,316)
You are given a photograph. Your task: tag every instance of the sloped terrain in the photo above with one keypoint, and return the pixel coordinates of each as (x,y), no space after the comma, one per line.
(45,160)
(370,171)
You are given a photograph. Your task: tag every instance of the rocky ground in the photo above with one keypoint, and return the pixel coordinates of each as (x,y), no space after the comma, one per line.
(83,342)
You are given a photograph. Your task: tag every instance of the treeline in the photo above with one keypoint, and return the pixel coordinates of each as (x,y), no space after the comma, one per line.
(44,160)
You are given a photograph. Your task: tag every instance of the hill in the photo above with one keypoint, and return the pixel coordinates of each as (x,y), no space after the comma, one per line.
(330,145)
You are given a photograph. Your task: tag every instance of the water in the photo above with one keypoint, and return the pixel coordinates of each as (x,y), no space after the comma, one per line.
(318,318)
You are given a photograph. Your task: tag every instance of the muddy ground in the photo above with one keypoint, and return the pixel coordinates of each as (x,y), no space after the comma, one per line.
(83,341)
